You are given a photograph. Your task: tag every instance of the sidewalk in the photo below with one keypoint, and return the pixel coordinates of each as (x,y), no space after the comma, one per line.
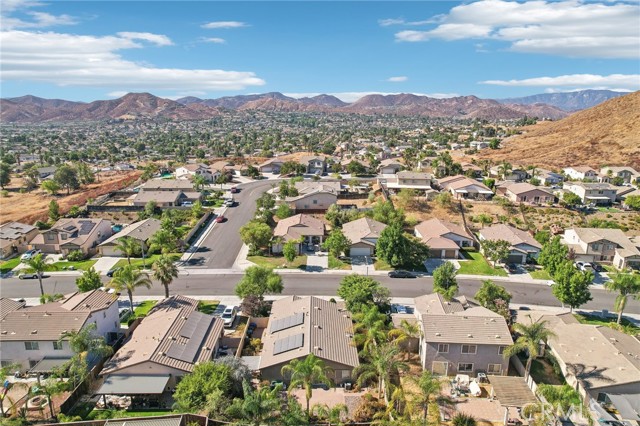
(186,256)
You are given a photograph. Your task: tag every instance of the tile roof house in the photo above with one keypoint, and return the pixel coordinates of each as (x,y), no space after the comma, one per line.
(548,177)
(628,174)
(189,171)
(390,166)
(523,245)
(301,227)
(461,337)
(524,192)
(462,187)
(30,334)
(410,180)
(299,326)
(516,175)
(597,193)
(363,234)
(603,245)
(314,196)
(15,237)
(140,231)
(315,164)
(73,234)
(272,165)
(443,238)
(580,172)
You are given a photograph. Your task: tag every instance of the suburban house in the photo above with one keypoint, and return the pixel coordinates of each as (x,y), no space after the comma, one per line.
(272,165)
(299,326)
(301,227)
(524,192)
(316,165)
(73,234)
(167,185)
(410,180)
(443,238)
(15,237)
(462,187)
(390,166)
(363,234)
(523,245)
(516,175)
(140,231)
(314,196)
(628,174)
(580,173)
(479,145)
(460,337)
(597,193)
(603,245)
(46,172)
(169,342)
(189,171)
(29,335)
(166,193)
(471,170)
(547,177)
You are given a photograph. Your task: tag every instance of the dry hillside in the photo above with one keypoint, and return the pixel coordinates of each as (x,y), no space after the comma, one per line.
(608,134)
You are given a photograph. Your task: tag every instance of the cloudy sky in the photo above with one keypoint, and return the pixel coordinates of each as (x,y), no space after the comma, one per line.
(86,50)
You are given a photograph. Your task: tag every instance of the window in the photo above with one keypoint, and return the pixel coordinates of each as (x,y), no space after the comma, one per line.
(5,363)
(464,367)
(31,346)
(595,246)
(501,350)
(33,363)
(494,369)
(469,349)
(443,348)
(315,201)
(57,346)
(51,237)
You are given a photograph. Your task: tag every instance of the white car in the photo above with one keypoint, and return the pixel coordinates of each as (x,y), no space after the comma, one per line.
(584,266)
(229,316)
(30,254)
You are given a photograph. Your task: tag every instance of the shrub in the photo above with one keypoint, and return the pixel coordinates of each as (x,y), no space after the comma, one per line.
(75,256)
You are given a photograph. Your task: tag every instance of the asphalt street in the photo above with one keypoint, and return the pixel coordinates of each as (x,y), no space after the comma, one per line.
(319,284)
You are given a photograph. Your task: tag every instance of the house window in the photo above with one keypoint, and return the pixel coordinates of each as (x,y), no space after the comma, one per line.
(443,348)
(5,363)
(469,349)
(63,236)
(465,367)
(315,201)
(50,237)
(494,368)
(501,349)
(57,346)
(31,346)
(524,198)
(33,363)
(595,246)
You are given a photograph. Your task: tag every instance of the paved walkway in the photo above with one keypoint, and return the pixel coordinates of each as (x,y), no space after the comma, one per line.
(317,262)
(105,263)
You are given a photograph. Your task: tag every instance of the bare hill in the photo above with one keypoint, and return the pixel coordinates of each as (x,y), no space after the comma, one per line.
(608,134)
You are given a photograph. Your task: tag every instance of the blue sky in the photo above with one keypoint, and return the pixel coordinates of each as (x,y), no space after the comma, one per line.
(86,50)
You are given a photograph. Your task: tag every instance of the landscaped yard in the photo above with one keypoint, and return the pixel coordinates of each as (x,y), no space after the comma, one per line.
(147,262)
(8,265)
(279,261)
(335,263)
(208,306)
(143,309)
(381,265)
(540,274)
(477,265)
(542,371)
(82,265)
(627,326)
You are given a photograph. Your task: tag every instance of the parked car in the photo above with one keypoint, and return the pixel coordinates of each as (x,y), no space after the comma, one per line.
(220,219)
(512,268)
(29,254)
(112,271)
(229,316)
(584,266)
(228,203)
(234,190)
(187,204)
(401,274)
(29,275)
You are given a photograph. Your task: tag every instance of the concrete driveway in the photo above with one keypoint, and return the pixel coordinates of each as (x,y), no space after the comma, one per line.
(362,265)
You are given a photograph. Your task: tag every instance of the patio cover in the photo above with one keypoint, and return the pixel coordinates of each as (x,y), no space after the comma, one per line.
(624,407)
(47,365)
(253,362)
(133,385)
(512,391)
(155,421)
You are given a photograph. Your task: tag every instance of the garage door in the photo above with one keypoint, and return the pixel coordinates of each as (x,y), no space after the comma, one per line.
(515,258)
(360,251)
(110,251)
(450,254)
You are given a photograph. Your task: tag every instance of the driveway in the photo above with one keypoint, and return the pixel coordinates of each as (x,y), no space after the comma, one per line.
(317,262)
(105,263)
(362,265)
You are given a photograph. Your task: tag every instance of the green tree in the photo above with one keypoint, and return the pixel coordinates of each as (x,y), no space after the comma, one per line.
(561,397)
(382,363)
(484,219)
(305,373)
(444,199)
(163,241)
(370,327)
(355,168)
(505,169)
(552,255)
(196,210)
(571,199)
(5,174)
(150,208)
(462,419)
(290,250)
(407,333)
(85,174)
(258,281)
(128,279)
(444,280)
(496,250)
(331,415)
(165,271)
(528,341)
(392,245)
(633,202)
(256,234)
(284,211)
(626,285)
(47,298)
(30,177)
(199,182)
(128,246)
(205,379)
(89,280)
(428,387)
(571,285)
(38,265)
(385,212)
(258,406)
(67,177)
(336,243)
(54,211)
(292,167)
(86,341)
(358,292)
(490,293)
(221,180)
(543,236)
(51,186)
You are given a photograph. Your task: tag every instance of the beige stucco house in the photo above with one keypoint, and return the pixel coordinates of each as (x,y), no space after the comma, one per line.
(301,227)
(73,234)
(443,238)
(15,237)
(363,234)
(603,245)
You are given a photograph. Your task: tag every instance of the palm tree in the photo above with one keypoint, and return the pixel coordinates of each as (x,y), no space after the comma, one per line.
(220,180)
(626,285)
(128,247)
(332,415)
(462,419)
(165,270)
(39,265)
(382,363)
(306,373)
(258,406)
(407,332)
(529,341)
(428,386)
(504,168)
(199,182)
(163,241)
(370,328)
(129,278)
(46,298)
(85,341)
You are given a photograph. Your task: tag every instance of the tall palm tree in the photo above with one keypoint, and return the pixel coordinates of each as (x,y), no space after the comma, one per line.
(85,341)
(428,386)
(129,278)
(38,265)
(305,373)
(165,270)
(529,341)
(128,247)
(369,328)
(163,241)
(199,182)
(407,332)
(626,285)
(504,168)
(332,415)
(382,363)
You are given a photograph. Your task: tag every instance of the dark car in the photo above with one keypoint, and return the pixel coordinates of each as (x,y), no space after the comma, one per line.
(220,219)
(401,274)
(112,271)
(512,268)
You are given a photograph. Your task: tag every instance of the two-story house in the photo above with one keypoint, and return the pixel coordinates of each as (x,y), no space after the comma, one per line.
(460,337)
(390,166)
(14,238)
(313,196)
(301,227)
(628,174)
(479,145)
(596,193)
(581,173)
(516,174)
(603,245)
(272,165)
(523,245)
(189,171)
(547,177)
(316,165)
(68,235)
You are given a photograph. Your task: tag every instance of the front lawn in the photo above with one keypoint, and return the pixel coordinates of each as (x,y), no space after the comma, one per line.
(627,326)
(8,265)
(147,262)
(208,306)
(82,265)
(335,263)
(279,262)
(540,274)
(477,265)
(381,265)
(143,309)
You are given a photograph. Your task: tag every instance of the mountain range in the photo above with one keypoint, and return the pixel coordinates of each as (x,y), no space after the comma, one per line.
(567,101)
(147,106)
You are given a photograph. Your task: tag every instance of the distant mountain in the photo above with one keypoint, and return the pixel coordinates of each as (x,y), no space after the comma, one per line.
(605,134)
(567,101)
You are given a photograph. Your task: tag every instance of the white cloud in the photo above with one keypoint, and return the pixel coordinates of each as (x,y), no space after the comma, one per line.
(390,21)
(398,79)
(85,60)
(216,40)
(400,21)
(158,39)
(568,27)
(117,94)
(354,96)
(626,82)
(224,24)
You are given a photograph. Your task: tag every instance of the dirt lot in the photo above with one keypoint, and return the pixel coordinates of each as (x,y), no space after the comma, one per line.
(32,206)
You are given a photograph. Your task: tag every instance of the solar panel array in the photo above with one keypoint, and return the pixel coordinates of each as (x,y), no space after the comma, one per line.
(85,227)
(195,329)
(287,322)
(287,344)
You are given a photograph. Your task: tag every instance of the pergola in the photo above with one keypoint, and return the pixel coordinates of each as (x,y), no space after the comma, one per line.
(511,391)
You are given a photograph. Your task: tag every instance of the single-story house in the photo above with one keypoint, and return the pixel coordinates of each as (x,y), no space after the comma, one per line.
(167,185)
(363,234)
(272,165)
(523,245)
(390,166)
(73,234)
(524,192)
(140,231)
(15,237)
(301,227)
(471,170)
(479,145)
(462,187)
(603,245)
(165,198)
(443,238)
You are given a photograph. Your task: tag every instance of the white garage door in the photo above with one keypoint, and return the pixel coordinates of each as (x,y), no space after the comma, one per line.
(360,251)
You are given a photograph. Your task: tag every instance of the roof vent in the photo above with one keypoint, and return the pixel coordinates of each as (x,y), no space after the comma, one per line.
(4,331)
(438,334)
(469,335)
(206,348)
(345,316)
(317,326)
(317,348)
(497,336)
(184,318)
(316,307)
(34,331)
(163,354)
(47,314)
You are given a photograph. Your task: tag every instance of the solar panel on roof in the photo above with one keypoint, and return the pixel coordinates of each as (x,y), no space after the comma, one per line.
(85,227)
(287,322)
(287,344)
(69,228)
(195,330)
